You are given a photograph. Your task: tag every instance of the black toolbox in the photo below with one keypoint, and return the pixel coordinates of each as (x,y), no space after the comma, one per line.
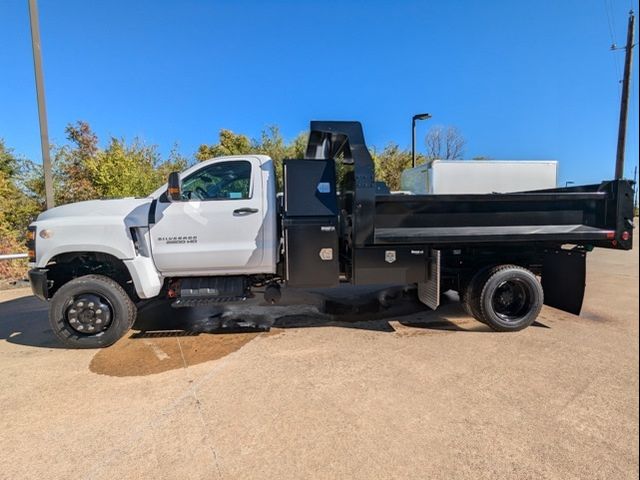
(310,223)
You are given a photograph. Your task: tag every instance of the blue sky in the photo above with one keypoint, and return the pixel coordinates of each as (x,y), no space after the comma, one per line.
(521,80)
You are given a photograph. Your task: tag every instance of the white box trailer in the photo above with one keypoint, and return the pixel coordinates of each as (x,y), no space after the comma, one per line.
(479,176)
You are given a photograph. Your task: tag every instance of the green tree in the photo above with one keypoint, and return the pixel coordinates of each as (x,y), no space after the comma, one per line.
(72,178)
(9,237)
(390,163)
(229,143)
(17,209)
(18,205)
(270,142)
(8,233)
(8,161)
(84,171)
(298,146)
(175,162)
(126,170)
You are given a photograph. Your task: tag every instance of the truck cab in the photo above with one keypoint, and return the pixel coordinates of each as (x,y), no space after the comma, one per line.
(223,223)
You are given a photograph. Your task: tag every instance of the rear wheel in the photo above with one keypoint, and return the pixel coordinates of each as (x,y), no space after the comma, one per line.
(92,311)
(510,298)
(470,296)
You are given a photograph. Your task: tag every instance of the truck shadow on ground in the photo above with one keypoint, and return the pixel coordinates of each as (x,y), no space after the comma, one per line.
(354,309)
(24,320)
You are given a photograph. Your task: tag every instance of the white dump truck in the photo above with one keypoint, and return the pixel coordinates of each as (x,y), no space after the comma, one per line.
(219,230)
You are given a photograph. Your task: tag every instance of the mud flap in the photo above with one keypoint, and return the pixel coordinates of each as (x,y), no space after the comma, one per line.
(563,279)
(429,291)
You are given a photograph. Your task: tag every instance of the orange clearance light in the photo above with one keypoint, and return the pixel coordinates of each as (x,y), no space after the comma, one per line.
(611,235)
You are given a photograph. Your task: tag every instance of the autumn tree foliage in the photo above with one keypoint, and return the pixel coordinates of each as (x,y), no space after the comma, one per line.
(270,142)
(17,207)
(86,168)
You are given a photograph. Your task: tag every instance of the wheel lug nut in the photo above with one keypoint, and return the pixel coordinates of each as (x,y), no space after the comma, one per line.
(91,304)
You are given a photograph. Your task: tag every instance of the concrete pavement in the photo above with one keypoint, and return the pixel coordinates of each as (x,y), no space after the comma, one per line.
(400,394)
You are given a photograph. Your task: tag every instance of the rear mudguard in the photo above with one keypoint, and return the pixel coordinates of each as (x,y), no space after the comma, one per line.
(563,279)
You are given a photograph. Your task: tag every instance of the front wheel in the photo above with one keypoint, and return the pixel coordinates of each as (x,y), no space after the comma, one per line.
(92,311)
(510,299)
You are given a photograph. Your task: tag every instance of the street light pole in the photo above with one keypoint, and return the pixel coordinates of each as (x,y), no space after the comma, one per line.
(42,111)
(419,116)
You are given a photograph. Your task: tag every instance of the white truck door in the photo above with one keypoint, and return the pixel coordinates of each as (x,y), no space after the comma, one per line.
(218,227)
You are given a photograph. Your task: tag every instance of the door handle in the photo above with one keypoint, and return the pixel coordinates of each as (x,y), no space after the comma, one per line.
(244,211)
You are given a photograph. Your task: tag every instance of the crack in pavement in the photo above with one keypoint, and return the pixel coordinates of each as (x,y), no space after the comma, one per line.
(136,434)
(199,409)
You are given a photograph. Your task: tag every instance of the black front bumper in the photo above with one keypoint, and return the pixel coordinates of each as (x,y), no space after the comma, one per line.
(39,283)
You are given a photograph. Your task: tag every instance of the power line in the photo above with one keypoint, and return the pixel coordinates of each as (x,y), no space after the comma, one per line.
(608,9)
(609,22)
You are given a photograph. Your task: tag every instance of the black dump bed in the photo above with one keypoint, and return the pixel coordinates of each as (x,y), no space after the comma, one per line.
(582,215)
(593,215)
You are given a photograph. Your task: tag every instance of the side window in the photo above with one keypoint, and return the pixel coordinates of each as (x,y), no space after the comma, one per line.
(219,181)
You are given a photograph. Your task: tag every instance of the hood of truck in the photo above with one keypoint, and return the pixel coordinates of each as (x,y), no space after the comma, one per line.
(134,212)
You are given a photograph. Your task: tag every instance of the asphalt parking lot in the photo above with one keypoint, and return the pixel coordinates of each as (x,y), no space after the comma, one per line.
(403,393)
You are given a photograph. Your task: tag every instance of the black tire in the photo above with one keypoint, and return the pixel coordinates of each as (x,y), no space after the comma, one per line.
(511,298)
(464,300)
(470,297)
(109,314)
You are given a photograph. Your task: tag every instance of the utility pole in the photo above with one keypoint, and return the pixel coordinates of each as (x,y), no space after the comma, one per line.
(624,101)
(635,187)
(42,111)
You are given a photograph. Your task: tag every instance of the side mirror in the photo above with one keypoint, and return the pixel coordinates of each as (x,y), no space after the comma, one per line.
(174,192)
